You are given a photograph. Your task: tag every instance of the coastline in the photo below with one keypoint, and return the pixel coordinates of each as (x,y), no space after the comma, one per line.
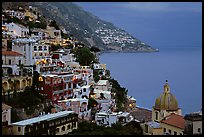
(116,51)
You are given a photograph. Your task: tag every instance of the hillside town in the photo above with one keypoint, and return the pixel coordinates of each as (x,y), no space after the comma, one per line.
(51,82)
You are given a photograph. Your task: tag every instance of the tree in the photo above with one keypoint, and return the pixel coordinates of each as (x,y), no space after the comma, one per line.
(53,23)
(85,57)
(92,103)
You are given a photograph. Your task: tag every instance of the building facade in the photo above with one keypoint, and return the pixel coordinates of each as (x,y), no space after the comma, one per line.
(60,123)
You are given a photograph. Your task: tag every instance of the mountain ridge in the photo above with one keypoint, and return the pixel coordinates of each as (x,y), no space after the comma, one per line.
(90,29)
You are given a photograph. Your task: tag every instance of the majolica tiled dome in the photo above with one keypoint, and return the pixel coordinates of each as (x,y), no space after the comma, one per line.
(166,101)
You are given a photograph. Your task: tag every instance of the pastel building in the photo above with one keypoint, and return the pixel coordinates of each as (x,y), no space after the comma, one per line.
(57,86)
(78,105)
(173,124)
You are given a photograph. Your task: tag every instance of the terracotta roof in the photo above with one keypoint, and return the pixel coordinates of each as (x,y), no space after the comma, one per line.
(5,107)
(11,53)
(174,120)
(141,114)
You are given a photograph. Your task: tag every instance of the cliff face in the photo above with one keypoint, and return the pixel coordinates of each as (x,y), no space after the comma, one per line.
(90,29)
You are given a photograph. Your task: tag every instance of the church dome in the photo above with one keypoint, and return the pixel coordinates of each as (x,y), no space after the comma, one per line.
(166,101)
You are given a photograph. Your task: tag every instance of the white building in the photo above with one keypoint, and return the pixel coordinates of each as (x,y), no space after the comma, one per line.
(41,53)
(103,85)
(18,29)
(107,119)
(81,92)
(10,60)
(25,46)
(98,92)
(6,114)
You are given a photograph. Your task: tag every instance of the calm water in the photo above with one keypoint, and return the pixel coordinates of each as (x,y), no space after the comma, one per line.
(144,75)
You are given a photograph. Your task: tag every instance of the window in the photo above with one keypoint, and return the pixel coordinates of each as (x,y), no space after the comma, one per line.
(4,118)
(40,48)
(146,128)
(9,62)
(164,130)
(45,47)
(175,133)
(156,115)
(169,131)
(198,130)
(63,128)
(57,130)
(35,48)
(19,62)
(74,124)
(68,127)
(19,129)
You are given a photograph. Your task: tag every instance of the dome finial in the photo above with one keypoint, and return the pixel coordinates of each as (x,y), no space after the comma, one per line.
(166,81)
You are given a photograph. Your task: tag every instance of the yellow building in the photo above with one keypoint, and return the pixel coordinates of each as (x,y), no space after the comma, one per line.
(165,104)
(166,116)
(15,83)
(173,124)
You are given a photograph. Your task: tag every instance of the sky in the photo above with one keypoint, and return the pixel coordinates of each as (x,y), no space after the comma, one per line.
(158,24)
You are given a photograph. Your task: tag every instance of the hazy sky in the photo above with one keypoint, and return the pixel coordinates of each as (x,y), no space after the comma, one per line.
(159,24)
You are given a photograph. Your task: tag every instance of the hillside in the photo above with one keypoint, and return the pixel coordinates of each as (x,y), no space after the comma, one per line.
(90,29)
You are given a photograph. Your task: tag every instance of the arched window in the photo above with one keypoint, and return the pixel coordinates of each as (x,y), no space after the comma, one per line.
(198,130)
(156,115)
(63,128)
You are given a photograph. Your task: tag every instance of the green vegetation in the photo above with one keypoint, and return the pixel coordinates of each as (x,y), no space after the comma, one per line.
(120,94)
(88,128)
(53,23)
(92,103)
(28,98)
(84,56)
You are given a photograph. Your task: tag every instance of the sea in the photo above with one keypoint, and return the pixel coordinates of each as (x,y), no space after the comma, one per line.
(144,75)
